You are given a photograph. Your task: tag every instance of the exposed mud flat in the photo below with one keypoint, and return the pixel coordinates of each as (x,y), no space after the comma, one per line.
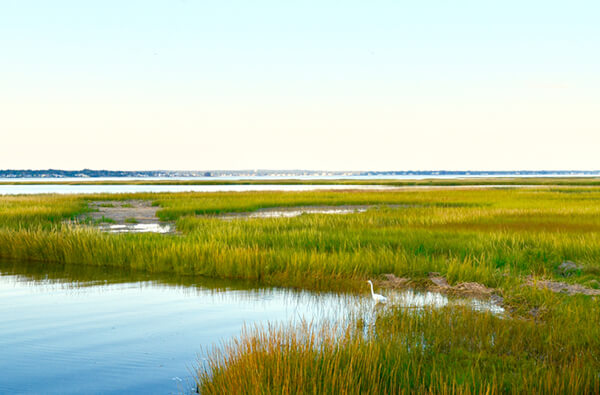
(120,211)
(559,286)
(440,284)
(128,216)
(466,288)
(477,295)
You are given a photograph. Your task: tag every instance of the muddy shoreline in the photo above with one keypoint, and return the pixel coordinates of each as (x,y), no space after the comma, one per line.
(127,216)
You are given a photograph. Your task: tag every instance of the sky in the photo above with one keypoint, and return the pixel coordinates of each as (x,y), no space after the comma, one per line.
(327,85)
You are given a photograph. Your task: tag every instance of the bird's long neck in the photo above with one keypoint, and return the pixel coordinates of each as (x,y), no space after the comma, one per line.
(372,293)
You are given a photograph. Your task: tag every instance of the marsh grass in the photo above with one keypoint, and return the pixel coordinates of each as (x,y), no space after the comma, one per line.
(104,220)
(496,237)
(436,351)
(487,236)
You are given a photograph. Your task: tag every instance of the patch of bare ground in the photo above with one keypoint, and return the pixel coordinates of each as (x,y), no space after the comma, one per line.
(128,216)
(469,288)
(438,283)
(559,286)
(141,211)
(393,282)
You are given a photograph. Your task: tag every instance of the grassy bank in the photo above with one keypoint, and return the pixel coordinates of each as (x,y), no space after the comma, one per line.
(441,351)
(450,350)
(497,237)
(488,236)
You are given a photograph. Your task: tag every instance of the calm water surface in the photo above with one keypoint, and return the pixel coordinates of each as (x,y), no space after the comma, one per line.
(80,329)
(313,177)
(93,330)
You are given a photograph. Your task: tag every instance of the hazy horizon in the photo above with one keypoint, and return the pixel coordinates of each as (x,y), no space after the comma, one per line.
(312,85)
(310,170)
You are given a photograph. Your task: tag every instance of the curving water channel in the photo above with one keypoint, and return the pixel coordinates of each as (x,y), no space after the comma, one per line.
(81,329)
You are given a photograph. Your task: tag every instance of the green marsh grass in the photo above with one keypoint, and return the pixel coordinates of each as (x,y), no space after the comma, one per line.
(105,220)
(450,350)
(497,237)
(488,236)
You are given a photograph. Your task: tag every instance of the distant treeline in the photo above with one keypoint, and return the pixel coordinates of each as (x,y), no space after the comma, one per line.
(57,173)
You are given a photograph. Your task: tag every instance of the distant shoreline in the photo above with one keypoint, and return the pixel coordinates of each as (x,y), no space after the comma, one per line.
(86,174)
(476,181)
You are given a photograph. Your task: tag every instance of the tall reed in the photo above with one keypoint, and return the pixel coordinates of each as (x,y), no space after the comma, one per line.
(452,350)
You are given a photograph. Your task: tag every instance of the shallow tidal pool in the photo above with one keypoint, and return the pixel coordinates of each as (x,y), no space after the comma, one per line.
(80,329)
(122,334)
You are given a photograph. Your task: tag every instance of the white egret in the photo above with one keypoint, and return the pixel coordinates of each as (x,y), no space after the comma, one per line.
(376,297)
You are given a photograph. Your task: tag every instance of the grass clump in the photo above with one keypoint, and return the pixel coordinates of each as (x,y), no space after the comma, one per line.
(105,220)
(435,351)
(131,220)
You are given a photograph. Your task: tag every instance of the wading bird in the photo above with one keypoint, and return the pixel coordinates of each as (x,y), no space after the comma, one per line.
(376,297)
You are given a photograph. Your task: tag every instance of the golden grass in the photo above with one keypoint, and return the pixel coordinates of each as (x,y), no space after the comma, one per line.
(493,236)
(470,235)
(452,350)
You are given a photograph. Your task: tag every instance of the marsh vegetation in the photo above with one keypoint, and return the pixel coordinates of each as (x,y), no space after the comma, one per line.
(508,240)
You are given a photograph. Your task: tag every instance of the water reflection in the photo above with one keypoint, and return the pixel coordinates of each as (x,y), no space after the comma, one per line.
(136,228)
(80,329)
(87,329)
(294,212)
(412,299)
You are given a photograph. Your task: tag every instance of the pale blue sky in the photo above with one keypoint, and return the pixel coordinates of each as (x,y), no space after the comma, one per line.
(385,85)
